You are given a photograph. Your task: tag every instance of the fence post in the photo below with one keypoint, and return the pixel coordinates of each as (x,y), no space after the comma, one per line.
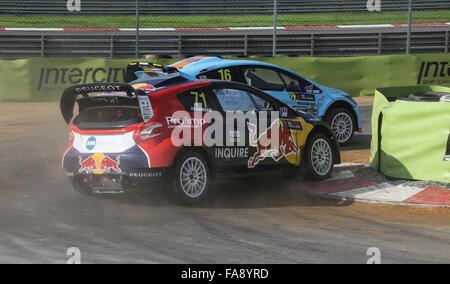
(246,45)
(111,47)
(137,29)
(275,25)
(42,46)
(408,40)
(446,41)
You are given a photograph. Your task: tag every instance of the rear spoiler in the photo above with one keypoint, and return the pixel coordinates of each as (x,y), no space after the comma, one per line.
(134,67)
(69,97)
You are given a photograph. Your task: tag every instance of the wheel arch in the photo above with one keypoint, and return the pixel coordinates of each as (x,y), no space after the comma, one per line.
(345,105)
(323,128)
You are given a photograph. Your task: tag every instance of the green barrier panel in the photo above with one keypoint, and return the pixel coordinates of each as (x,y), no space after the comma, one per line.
(360,76)
(409,139)
(43,79)
(15,81)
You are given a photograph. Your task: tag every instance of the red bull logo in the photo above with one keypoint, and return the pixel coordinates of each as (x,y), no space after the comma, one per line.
(269,145)
(147,88)
(99,164)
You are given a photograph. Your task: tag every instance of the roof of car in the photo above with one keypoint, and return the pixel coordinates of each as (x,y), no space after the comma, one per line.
(191,84)
(197,65)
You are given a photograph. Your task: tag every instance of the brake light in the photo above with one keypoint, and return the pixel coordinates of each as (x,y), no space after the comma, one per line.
(148,132)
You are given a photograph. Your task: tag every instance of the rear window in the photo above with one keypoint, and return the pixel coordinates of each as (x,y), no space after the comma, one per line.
(107,113)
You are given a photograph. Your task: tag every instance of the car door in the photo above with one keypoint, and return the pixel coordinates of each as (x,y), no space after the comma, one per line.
(199,103)
(293,90)
(237,109)
(274,116)
(258,154)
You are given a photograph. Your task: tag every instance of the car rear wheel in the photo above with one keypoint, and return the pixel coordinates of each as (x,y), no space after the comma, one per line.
(342,122)
(191,178)
(318,157)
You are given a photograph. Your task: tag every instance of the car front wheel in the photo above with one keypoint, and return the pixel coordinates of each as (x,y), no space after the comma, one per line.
(191,178)
(318,157)
(341,121)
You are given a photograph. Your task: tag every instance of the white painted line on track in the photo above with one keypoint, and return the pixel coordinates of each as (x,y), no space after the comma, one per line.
(381,192)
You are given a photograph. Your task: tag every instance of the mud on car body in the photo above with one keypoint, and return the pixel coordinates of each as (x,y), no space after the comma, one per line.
(123,137)
(334,106)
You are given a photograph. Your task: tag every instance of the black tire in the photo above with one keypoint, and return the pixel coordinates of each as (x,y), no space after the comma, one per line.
(311,170)
(342,121)
(198,184)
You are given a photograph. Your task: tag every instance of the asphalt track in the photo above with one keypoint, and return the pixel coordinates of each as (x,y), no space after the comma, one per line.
(246,220)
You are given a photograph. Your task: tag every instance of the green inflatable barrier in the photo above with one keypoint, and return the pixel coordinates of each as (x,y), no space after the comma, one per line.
(409,138)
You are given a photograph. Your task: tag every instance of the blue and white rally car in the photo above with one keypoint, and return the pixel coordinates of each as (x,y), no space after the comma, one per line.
(334,106)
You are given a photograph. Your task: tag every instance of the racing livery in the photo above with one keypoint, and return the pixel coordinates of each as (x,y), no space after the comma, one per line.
(128,136)
(334,106)
(286,143)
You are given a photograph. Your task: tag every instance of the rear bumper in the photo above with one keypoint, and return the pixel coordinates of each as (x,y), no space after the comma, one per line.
(115,183)
(132,165)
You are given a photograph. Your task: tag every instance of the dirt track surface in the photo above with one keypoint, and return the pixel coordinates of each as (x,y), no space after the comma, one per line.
(245,221)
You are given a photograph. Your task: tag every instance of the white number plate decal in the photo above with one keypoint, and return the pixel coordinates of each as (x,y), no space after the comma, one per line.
(146,108)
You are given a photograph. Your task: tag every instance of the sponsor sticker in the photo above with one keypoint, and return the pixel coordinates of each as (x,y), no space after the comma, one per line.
(97,88)
(284,112)
(146,175)
(91,143)
(99,164)
(187,122)
(294,125)
(112,100)
(199,108)
(301,97)
(284,146)
(147,88)
(146,108)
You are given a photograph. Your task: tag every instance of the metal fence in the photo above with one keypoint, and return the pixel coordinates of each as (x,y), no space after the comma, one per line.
(136,28)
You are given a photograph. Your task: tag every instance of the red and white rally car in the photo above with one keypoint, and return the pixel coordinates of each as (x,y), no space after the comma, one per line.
(186,133)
